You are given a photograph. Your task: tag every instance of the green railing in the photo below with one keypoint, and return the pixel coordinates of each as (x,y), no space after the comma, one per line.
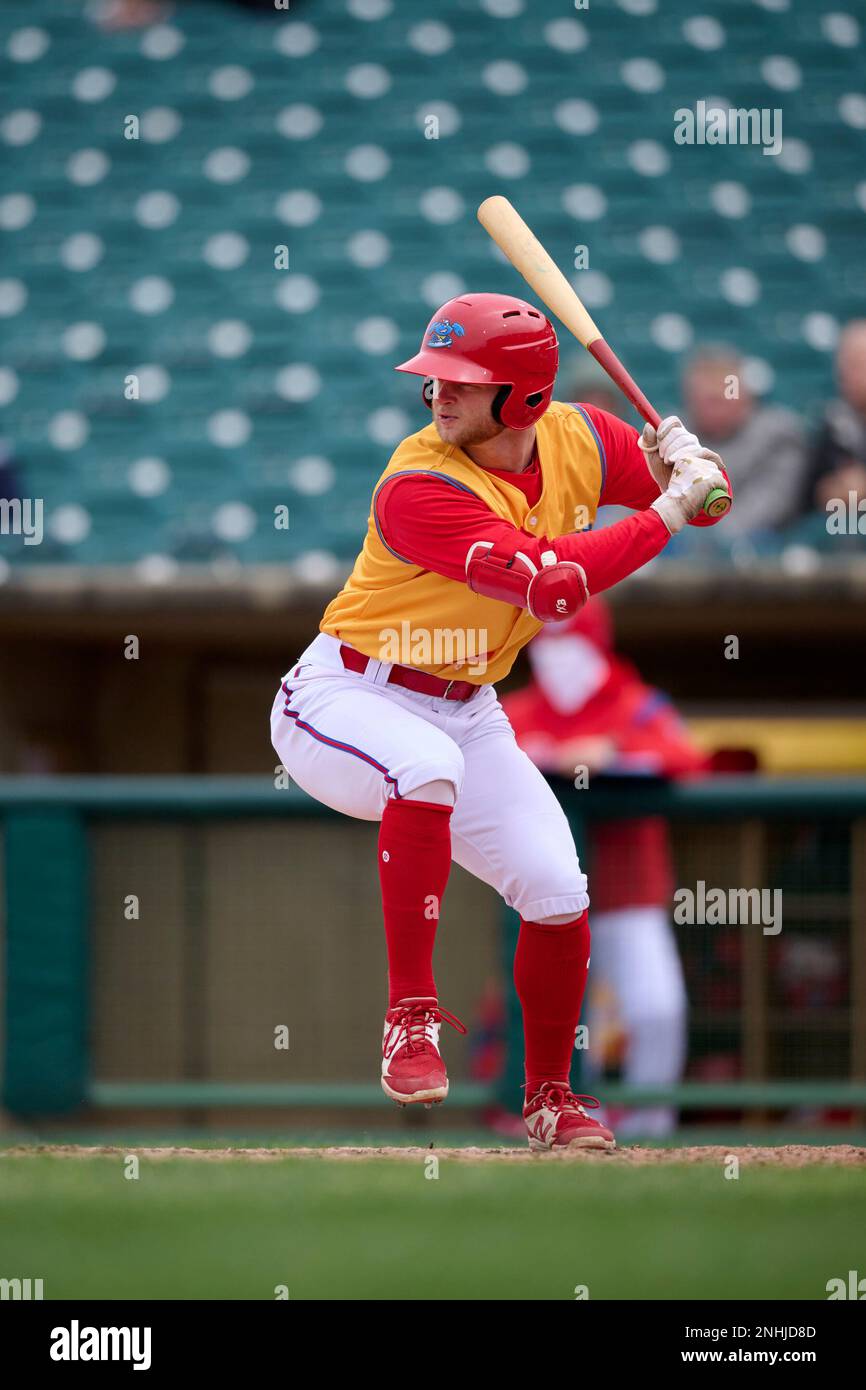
(710,798)
(47,884)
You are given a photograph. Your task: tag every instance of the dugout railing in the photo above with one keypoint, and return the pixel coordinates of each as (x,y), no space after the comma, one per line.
(48,827)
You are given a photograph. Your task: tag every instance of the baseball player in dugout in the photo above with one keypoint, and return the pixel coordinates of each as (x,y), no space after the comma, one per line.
(479,534)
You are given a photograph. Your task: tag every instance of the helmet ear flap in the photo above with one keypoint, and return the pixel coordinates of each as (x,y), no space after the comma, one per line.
(427,391)
(498,402)
(515,412)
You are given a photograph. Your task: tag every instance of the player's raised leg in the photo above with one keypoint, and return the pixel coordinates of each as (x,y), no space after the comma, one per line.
(414,864)
(362,751)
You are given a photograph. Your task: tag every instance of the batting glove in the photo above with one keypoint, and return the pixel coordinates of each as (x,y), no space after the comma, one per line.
(690,484)
(669,444)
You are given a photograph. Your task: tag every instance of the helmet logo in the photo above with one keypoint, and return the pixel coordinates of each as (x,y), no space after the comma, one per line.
(441,331)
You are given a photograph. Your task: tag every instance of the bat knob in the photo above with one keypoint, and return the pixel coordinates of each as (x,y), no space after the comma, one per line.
(717,502)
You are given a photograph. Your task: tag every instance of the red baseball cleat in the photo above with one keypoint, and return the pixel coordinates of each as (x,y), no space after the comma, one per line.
(556,1119)
(412,1069)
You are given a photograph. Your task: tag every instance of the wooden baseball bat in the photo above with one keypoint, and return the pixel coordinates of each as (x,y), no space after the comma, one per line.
(526,253)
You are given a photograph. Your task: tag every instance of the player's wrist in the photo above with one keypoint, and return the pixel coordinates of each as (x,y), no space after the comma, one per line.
(668,508)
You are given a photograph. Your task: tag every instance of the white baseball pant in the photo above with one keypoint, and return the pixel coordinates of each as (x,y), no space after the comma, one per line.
(352,741)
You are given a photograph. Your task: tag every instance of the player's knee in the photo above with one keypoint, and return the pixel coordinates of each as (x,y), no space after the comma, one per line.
(442,792)
(440,778)
(562,919)
(551,890)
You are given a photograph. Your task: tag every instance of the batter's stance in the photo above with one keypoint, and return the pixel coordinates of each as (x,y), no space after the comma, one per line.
(478,535)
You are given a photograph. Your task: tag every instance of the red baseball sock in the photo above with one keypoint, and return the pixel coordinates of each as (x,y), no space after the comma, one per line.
(414,863)
(550,970)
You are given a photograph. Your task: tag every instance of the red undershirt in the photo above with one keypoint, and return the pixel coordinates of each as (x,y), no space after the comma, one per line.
(430,522)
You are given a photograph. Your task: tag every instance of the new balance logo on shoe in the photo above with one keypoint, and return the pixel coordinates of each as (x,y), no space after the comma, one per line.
(542,1129)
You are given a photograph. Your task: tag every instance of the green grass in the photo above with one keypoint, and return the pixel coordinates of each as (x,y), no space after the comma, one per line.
(379,1229)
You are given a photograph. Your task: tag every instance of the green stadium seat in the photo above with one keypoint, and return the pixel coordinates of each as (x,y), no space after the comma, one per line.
(157,255)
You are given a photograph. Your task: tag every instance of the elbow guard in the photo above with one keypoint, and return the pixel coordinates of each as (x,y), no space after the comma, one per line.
(551,594)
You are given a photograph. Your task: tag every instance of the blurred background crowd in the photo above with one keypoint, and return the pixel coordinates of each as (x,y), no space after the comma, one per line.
(158,155)
(787,469)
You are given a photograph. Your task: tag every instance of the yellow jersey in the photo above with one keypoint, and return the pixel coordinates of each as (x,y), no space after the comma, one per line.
(396,611)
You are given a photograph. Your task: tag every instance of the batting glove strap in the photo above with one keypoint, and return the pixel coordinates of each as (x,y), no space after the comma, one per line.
(649,445)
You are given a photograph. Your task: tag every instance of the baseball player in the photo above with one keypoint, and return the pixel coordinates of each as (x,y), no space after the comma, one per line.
(479,534)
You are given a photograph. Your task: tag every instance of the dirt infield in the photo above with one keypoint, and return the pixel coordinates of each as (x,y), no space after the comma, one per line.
(781,1156)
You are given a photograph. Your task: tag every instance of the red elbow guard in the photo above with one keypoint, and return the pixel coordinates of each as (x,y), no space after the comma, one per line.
(551,594)
(558,591)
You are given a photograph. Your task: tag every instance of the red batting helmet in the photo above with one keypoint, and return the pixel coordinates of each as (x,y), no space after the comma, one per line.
(492,340)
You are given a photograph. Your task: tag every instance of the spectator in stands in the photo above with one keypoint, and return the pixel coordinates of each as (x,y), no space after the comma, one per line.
(764,447)
(131,14)
(837,466)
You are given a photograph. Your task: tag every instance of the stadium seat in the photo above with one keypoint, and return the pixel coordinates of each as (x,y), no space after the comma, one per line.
(156,254)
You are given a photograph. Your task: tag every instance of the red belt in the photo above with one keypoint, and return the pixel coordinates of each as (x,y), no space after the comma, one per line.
(411,679)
